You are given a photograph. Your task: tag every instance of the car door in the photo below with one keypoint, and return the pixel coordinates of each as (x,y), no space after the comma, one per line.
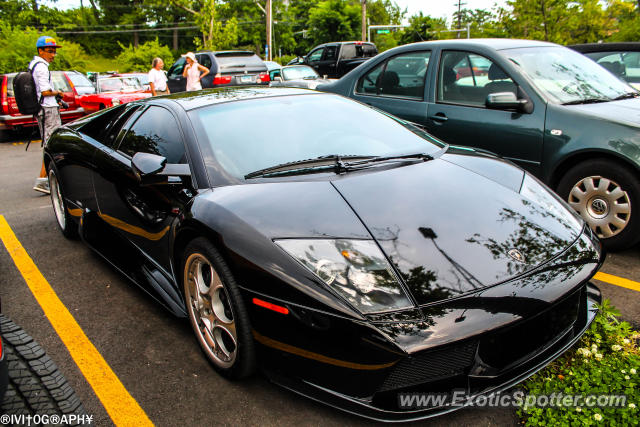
(397,85)
(314,58)
(205,60)
(175,80)
(457,113)
(143,214)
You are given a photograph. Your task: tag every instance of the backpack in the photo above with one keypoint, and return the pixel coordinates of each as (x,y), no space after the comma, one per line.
(25,92)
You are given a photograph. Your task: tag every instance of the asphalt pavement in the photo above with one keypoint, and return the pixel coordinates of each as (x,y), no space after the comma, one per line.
(155,355)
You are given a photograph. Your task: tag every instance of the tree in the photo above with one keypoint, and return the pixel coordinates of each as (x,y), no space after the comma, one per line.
(139,58)
(215,34)
(334,20)
(422,28)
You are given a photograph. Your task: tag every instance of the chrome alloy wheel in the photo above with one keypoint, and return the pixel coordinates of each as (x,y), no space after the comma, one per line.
(210,311)
(603,203)
(56,199)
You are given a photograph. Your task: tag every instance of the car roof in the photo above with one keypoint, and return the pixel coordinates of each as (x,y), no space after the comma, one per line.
(226,52)
(496,44)
(606,47)
(197,99)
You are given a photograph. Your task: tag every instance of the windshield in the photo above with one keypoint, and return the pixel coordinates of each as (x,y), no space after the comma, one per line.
(82,84)
(251,135)
(238,59)
(119,84)
(565,76)
(301,72)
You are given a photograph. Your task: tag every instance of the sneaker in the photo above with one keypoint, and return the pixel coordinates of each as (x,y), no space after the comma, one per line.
(42,185)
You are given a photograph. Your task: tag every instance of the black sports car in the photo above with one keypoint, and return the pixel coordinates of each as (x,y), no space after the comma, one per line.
(350,255)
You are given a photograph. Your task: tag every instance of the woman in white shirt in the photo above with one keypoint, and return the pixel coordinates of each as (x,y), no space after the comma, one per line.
(192,72)
(157,78)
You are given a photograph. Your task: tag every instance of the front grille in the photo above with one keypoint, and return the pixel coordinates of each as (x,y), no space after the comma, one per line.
(510,346)
(430,365)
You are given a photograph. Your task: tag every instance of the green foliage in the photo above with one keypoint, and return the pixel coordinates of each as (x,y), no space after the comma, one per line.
(607,363)
(18,47)
(140,58)
(334,20)
(422,28)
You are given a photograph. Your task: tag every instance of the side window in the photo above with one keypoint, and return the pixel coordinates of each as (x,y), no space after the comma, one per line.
(368,83)
(155,132)
(402,76)
(204,60)
(330,53)
(466,78)
(117,124)
(59,82)
(405,75)
(316,55)
(176,69)
(348,51)
(103,120)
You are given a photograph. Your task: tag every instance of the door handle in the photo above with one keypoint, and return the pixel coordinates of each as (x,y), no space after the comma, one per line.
(439,117)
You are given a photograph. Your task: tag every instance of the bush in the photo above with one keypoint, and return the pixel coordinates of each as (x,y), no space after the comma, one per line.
(284,59)
(607,362)
(18,47)
(140,58)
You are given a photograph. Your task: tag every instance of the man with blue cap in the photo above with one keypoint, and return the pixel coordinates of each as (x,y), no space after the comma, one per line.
(49,115)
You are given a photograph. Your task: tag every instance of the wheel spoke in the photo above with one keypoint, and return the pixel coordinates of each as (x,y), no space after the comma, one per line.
(621,208)
(588,185)
(603,184)
(578,194)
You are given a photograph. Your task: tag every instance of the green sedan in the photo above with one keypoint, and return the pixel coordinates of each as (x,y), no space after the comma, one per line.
(547,108)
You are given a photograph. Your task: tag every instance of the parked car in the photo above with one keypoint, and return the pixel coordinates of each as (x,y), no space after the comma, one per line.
(543,106)
(113,90)
(351,263)
(10,117)
(336,59)
(80,83)
(622,59)
(301,76)
(226,68)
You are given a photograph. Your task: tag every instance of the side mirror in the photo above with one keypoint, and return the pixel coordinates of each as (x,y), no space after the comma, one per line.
(153,169)
(506,101)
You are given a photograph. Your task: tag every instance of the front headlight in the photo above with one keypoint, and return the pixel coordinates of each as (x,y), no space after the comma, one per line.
(355,269)
(115,101)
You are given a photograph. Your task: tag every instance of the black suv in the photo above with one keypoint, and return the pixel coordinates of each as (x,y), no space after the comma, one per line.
(336,59)
(226,68)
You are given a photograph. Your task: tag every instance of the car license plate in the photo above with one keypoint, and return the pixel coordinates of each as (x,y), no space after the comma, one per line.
(246,79)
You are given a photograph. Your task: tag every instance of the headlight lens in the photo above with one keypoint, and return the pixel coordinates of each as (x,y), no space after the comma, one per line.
(356,269)
(535,191)
(115,101)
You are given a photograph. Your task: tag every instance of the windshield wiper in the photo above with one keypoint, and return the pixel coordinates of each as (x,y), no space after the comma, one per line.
(627,95)
(587,101)
(333,162)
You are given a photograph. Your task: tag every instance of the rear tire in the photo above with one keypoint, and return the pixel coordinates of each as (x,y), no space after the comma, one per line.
(607,196)
(65,220)
(216,310)
(36,386)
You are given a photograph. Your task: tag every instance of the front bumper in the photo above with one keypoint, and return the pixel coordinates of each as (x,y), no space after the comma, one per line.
(474,379)
(8,121)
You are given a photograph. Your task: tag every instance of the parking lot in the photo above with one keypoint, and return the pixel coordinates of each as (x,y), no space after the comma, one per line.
(154,355)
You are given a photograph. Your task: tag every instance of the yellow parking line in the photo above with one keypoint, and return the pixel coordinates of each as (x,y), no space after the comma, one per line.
(120,405)
(618,281)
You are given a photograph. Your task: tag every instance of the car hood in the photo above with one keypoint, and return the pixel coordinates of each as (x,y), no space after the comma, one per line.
(451,228)
(625,111)
(122,96)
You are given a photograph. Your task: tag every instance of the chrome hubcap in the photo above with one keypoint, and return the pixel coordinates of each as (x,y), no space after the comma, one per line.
(56,199)
(210,311)
(603,203)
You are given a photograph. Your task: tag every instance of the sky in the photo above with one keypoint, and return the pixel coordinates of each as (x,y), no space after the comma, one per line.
(434,8)
(444,8)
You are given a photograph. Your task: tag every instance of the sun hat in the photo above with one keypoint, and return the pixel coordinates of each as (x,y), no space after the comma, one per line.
(47,41)
(190,55)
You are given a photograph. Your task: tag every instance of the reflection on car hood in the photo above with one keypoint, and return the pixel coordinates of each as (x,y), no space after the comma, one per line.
(450,230)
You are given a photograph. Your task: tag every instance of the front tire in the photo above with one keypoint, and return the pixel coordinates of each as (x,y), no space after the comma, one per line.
(216,310)
(607,196)
(65,220)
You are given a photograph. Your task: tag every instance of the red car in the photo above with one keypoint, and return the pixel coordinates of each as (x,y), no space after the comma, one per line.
(114,90)
(10,117)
